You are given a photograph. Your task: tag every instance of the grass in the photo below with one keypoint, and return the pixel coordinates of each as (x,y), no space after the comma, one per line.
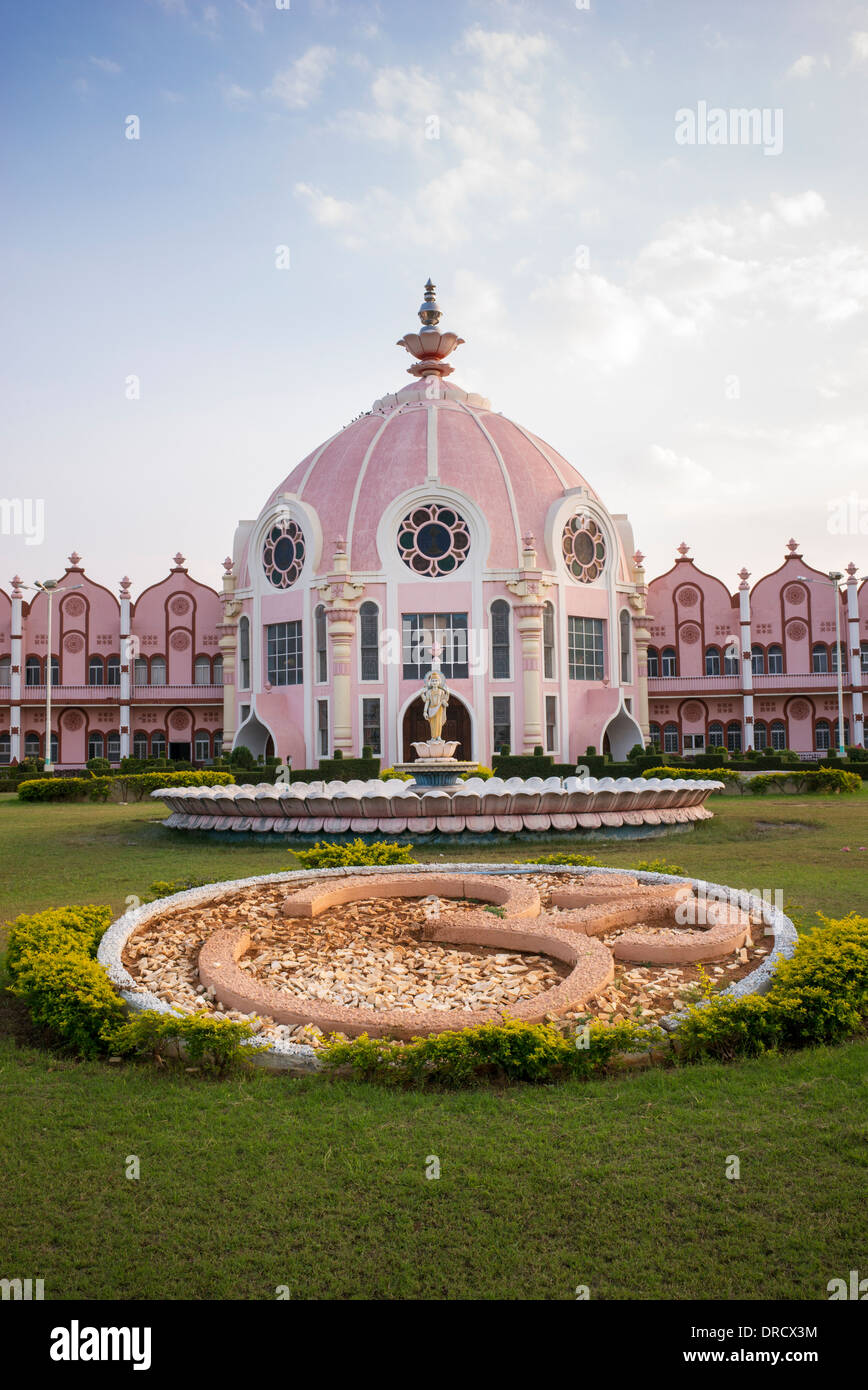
(91,853)
(264,1181)
(251,1184)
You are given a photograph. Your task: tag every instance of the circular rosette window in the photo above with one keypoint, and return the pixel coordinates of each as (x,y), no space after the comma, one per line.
(433,540)
(283,554)
(584,549)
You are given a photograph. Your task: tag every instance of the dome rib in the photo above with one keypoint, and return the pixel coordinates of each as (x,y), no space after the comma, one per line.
(507,480)
(361,475)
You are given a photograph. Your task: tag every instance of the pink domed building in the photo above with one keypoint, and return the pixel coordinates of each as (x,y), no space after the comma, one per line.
(433,525)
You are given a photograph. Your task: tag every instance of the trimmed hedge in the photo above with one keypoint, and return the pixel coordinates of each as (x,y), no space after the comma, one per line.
(132,786)
(347,769)
(324,855)
(693,774)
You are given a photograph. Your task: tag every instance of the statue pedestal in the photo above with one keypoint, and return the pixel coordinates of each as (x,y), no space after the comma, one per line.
(436,772)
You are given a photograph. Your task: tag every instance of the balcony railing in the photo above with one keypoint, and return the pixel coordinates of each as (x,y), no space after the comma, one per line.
(811,680)
(111,694)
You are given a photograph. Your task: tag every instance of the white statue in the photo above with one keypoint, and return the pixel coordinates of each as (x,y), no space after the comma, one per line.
(435,698)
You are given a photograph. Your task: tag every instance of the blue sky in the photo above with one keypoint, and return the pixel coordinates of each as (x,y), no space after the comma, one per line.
(685,323)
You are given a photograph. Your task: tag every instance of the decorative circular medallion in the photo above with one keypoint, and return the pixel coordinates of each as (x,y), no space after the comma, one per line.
(799,709)
(72,720)
(690,634)
(584,549)
(178,720)
(795,594)
(797,631)
(180,606)
(688,598)
(693,712)
(74,607)
(283,554)
(433,539)
(179,641)
(73,642)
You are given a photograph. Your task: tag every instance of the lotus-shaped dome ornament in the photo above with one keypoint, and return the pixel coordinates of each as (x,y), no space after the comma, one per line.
(429,346)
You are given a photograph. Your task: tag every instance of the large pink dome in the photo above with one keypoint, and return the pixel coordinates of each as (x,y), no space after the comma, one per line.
(451,438)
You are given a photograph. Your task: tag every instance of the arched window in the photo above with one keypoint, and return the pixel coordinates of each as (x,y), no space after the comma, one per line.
(653,663)
(218,670)
(778,734)
(715,734)
(819,657)
(5,670)
(244,654)
(218,742)
(822,736)
(113,747)
(369,640)
(95,745)
(548,641)
(730,659)
(158,670)
(757,661)
(202,670)
(33,671)
(760,734)
(626,648)
(846,732)
(158,744)
(202,746)
(140,744)
(835,657)
(668,663)
(31,745)
(654,734)
(776,660)
(500,624)
(5,748)
(712,661)
(670,738)
(113,670)
(733,737)
(864,657)
(140,671)
(95,674)
(55,748)
(55,670)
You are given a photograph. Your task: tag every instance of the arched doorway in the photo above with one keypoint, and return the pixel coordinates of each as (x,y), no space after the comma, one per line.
(254,735)
(621,734)
(456,729)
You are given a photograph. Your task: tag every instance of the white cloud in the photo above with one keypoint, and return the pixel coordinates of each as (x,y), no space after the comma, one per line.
(107,65)
(803,67)
(299,84)
(801,210)
(325,210)
(236,97)
(858,48)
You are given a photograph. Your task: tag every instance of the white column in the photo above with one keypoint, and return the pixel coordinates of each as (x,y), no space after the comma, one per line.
(17,666)
(746,664)
(857,733)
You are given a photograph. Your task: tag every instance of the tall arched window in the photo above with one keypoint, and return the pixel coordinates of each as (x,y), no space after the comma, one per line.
(320,638)
(244,654)
(626,649)
(140,671)
(757,661)
(140,744)
(113,746)
(653,662)
(712,661)
(158,744)
(218,670)
(776,660)
(548,642)
(819,657)
(715,734)
(846,732)
(202,670)
(670,738)
(95,676)
(500,624)
(5,670)
(218,742)
(55,670)
(760,734)
(654,734)
(33,671)
(202,746)
(778,734)
(5,748)
(668,663)
(730,660)
(95,745)
(836,657)
(733,737)
(55,748)
(822,736)
(158,670)
(113,670)
(31,745)
(369,641)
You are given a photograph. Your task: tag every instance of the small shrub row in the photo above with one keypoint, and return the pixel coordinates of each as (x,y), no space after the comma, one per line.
(336,856)
(705,774)
(828,781)
(131,786)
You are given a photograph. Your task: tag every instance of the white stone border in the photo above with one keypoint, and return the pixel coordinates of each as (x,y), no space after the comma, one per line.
(287,1056)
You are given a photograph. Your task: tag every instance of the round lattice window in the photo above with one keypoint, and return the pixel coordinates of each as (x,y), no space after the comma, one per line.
(433,540)
(584,549)
(794,594)
(283,554)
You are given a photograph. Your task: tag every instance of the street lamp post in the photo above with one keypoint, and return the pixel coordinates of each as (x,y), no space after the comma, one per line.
(835,578)
(49,588)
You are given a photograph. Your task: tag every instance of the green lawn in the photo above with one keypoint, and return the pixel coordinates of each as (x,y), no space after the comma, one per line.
(76,853)
(320,1185)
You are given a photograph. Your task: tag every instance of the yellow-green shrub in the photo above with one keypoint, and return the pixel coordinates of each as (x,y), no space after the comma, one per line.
(335,856)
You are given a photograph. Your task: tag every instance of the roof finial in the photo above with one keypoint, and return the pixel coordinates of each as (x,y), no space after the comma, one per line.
(429,346)
(683,549)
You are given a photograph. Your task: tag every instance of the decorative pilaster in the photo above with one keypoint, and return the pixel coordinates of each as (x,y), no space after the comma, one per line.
(746,657)
(857,732)
(128,656)
(341,597)
(531,588)
(228,643)
(641,640)
(17,664)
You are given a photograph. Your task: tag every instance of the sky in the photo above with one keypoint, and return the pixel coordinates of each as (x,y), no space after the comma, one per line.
(187,313)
